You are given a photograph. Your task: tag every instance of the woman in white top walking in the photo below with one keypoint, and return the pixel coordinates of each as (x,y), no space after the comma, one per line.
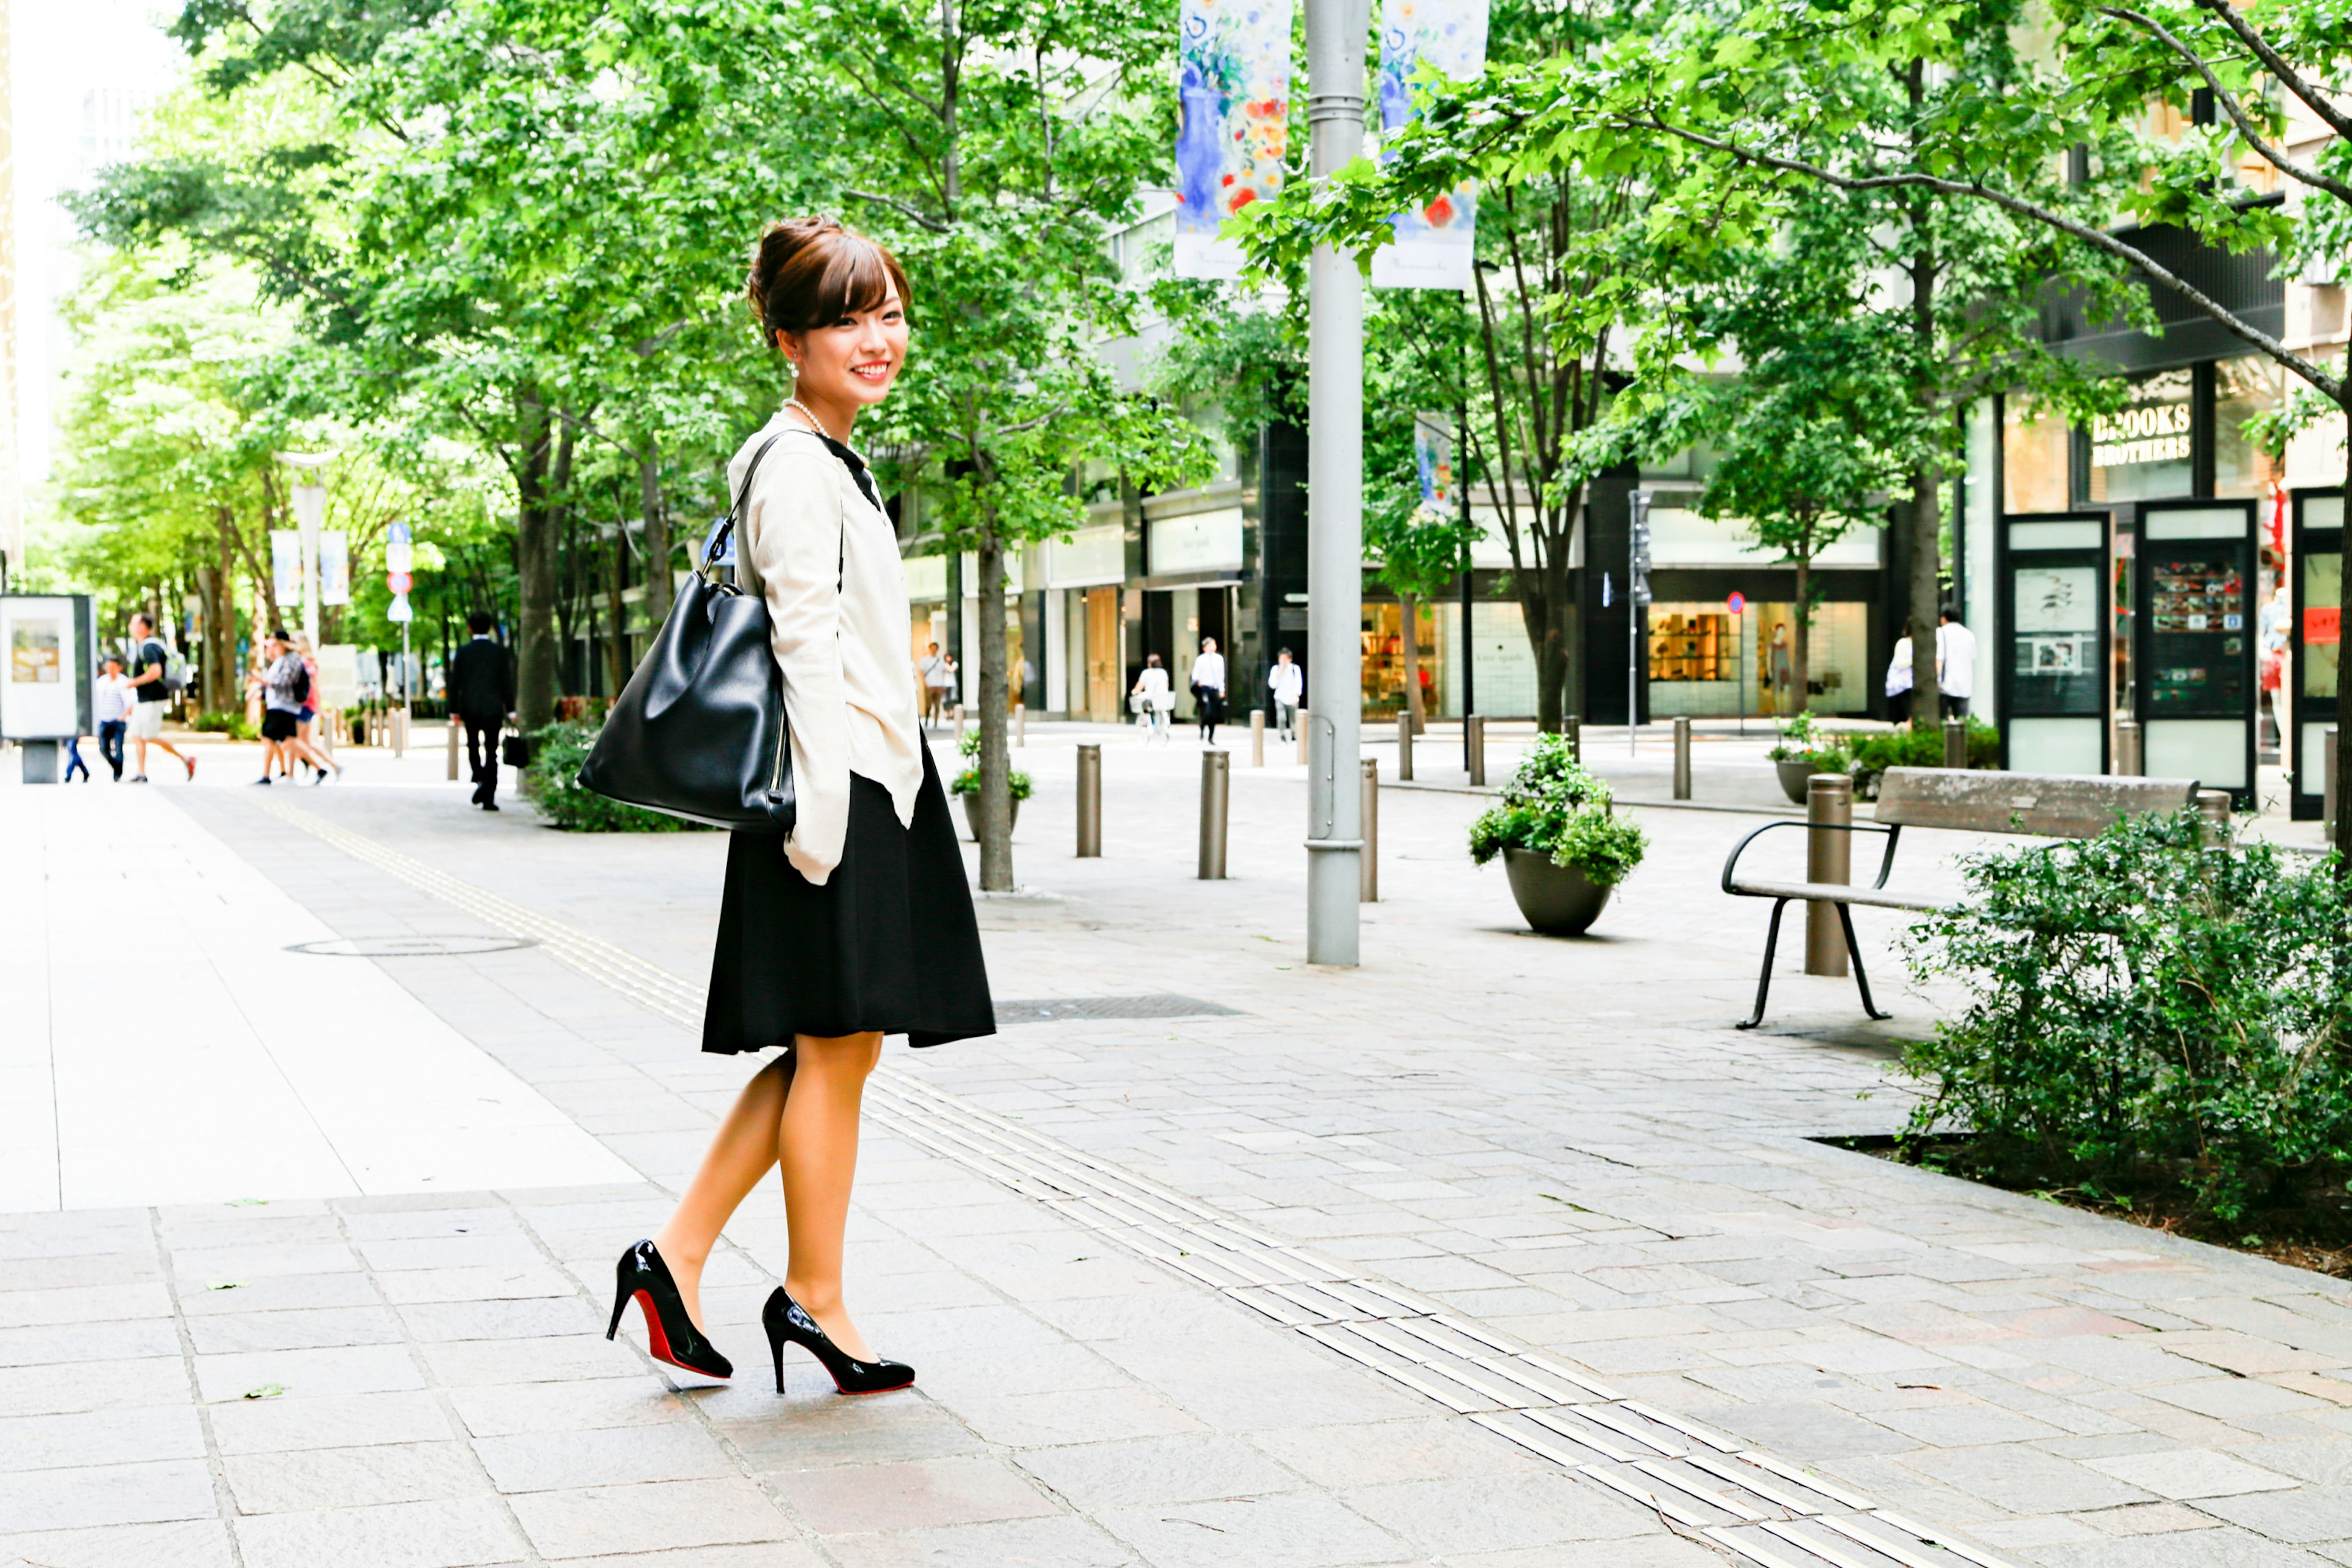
(1209,689)
(859,923)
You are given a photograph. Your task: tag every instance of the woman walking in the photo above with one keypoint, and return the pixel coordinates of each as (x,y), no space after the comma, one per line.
(859,924)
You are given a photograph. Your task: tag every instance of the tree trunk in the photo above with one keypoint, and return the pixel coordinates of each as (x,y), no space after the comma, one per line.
(534,568)
(617,662)
(222,682)
(1410,620)
(995,757)
(1927,531)
(1801,655)
(656,521)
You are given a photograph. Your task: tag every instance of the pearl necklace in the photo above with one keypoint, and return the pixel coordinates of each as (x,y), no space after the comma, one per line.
(810,415)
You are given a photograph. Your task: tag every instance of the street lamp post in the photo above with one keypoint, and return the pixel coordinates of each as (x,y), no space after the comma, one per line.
(309,512)
(1335,524)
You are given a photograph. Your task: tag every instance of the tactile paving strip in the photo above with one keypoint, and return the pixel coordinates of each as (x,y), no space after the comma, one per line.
(1706,1484)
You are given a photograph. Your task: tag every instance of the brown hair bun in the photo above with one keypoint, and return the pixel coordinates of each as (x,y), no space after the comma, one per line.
(810,272)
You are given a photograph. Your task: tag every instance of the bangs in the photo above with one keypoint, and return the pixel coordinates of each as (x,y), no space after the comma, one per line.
(858,276)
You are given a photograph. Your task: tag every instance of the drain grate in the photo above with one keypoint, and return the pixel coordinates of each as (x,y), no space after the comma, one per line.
(1059,1009)
(410,946)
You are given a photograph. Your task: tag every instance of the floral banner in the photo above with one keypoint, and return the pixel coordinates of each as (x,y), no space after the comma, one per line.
(1232,95)
(1433,243)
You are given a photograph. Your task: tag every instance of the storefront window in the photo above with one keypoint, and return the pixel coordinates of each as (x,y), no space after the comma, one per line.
(1383,631)
(2142,452)
(2034,460)
(1710,664)
(2244,388)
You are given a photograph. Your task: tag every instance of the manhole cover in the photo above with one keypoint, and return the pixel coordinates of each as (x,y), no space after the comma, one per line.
(1057,1009)
(409,946)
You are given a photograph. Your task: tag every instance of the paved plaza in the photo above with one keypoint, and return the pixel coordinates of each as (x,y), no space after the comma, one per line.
(327,1111)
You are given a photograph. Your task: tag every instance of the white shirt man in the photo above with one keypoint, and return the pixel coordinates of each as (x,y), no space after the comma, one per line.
(1956,664)
(1287,682)
(1209,688)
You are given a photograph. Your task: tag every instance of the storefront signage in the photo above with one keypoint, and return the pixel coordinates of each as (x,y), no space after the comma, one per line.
(2323,625)
(2147,433)
(1737,603)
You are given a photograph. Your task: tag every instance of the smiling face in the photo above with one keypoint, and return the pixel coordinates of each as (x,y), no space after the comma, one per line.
(847,365)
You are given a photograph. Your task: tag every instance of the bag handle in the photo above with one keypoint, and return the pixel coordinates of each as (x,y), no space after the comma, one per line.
(718,537)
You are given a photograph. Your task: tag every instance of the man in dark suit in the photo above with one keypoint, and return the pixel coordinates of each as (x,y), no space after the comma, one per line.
(481,691)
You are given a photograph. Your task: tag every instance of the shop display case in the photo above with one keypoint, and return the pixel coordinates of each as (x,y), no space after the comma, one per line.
(2196,684)
(2052,647)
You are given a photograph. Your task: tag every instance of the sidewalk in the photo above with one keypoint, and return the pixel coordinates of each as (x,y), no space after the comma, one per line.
(1561,1147)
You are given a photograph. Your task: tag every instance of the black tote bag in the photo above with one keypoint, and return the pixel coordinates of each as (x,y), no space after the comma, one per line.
(699,731)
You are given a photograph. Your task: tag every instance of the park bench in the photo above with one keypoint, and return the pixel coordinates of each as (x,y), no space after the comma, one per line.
(2042,806)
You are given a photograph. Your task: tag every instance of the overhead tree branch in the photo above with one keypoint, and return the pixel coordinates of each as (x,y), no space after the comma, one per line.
(2277,157)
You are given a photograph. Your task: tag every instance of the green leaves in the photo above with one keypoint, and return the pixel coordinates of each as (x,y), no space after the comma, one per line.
(1554,805)
(2145,1013)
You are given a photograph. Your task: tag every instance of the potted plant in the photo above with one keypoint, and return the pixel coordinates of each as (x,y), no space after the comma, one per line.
(1562,847)
(967,784)
(1802,751)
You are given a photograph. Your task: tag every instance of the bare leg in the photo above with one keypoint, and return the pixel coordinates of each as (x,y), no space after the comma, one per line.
(817,1149)
(739,1158)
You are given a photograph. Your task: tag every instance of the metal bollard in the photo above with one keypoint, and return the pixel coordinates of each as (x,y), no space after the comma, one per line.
(2127,749)
(1257,737)
(453,747)
(1829,858)
(1371,893)
(1089,800)
(1474,746)
(1216,787)
(1573,728)
(2214,806)
(1021,723)
(958,725)
(1304,727)
(399,732)
(1404,743)
(1956,743)
(1682,757)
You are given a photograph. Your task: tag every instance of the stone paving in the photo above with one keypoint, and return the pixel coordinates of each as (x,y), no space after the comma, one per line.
(1562,1142)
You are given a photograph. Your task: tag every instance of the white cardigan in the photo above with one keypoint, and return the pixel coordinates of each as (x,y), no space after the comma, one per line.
(827,560)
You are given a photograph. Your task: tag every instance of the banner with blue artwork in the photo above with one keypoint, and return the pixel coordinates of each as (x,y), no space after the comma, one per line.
(1433,243)
(1233,97)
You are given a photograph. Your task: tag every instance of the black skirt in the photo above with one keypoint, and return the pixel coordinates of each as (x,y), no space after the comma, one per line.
(888,943)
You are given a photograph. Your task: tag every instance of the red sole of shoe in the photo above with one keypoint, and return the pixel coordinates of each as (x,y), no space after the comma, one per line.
(657,1343)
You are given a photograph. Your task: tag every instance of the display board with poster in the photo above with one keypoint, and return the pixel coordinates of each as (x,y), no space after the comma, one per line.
(2196,668)
(44,686)
(2314,639)
(2052,660)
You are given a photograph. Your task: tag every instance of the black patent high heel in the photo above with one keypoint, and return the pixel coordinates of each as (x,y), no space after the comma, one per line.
(787,1319)
(671,1334)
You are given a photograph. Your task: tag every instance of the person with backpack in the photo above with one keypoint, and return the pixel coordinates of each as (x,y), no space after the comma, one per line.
(158,675)
(285,688)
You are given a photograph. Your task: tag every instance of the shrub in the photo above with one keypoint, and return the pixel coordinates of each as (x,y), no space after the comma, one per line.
(1919,746)
(968,781)
(550,782)
(1555,805)
(2145,1015)
(226,722)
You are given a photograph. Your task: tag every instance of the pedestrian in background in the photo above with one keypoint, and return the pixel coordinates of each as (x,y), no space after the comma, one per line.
(148,661)
(860,922)
(1153,699)
(481,692)
(111,696)
(937,675)
(307,730)
(1209,689)
(286,685)
(1288,684)
(1898,681)
(1956,663)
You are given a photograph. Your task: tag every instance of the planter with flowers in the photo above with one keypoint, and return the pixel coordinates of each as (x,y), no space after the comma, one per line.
(1561,845)
(967,784)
